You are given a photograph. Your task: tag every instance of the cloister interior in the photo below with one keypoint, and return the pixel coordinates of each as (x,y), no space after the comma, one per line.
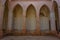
(30,20)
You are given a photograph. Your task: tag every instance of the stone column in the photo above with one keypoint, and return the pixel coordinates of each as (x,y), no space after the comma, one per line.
(59,18)
(10,20)
(24,22)
(1,19)
(59,15)
(52,21)
(37,22)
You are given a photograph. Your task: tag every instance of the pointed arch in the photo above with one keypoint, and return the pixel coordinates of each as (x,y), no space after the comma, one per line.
(17,18)
(55,6)
(45,7)
(31,18)
(5,18)
(44,19)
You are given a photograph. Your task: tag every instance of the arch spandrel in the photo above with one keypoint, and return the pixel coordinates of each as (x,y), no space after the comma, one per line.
(44,12)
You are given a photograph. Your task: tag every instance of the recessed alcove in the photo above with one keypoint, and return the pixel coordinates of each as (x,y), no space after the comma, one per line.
(44,19)
(31,18)
(55,7)
(5,18)
(17,19)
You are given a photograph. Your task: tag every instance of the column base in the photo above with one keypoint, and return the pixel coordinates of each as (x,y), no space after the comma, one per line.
(8,32)
(45,33)
(24,32)
(37,32)
(58,35)
(53,33)
(1,34)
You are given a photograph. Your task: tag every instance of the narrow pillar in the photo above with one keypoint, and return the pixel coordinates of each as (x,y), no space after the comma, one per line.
(37,23)
(52,22)
(59,17)
(10,21)
(24,23)
(1,19)
(1,33)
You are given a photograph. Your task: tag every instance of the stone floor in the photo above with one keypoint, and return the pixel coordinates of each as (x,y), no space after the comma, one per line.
(30,38)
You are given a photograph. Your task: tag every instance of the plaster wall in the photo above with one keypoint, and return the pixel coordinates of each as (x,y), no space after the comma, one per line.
(25,5)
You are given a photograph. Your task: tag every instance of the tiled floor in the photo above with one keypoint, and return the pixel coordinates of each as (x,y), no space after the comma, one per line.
(30,38)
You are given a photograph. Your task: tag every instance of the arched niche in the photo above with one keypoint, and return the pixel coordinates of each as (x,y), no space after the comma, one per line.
(44,19)
(17,18)
(5,18)
(55,6)
(31,18)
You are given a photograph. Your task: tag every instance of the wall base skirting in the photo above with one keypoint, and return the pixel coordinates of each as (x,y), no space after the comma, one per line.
(16,33)
(27,33)
(53,33)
